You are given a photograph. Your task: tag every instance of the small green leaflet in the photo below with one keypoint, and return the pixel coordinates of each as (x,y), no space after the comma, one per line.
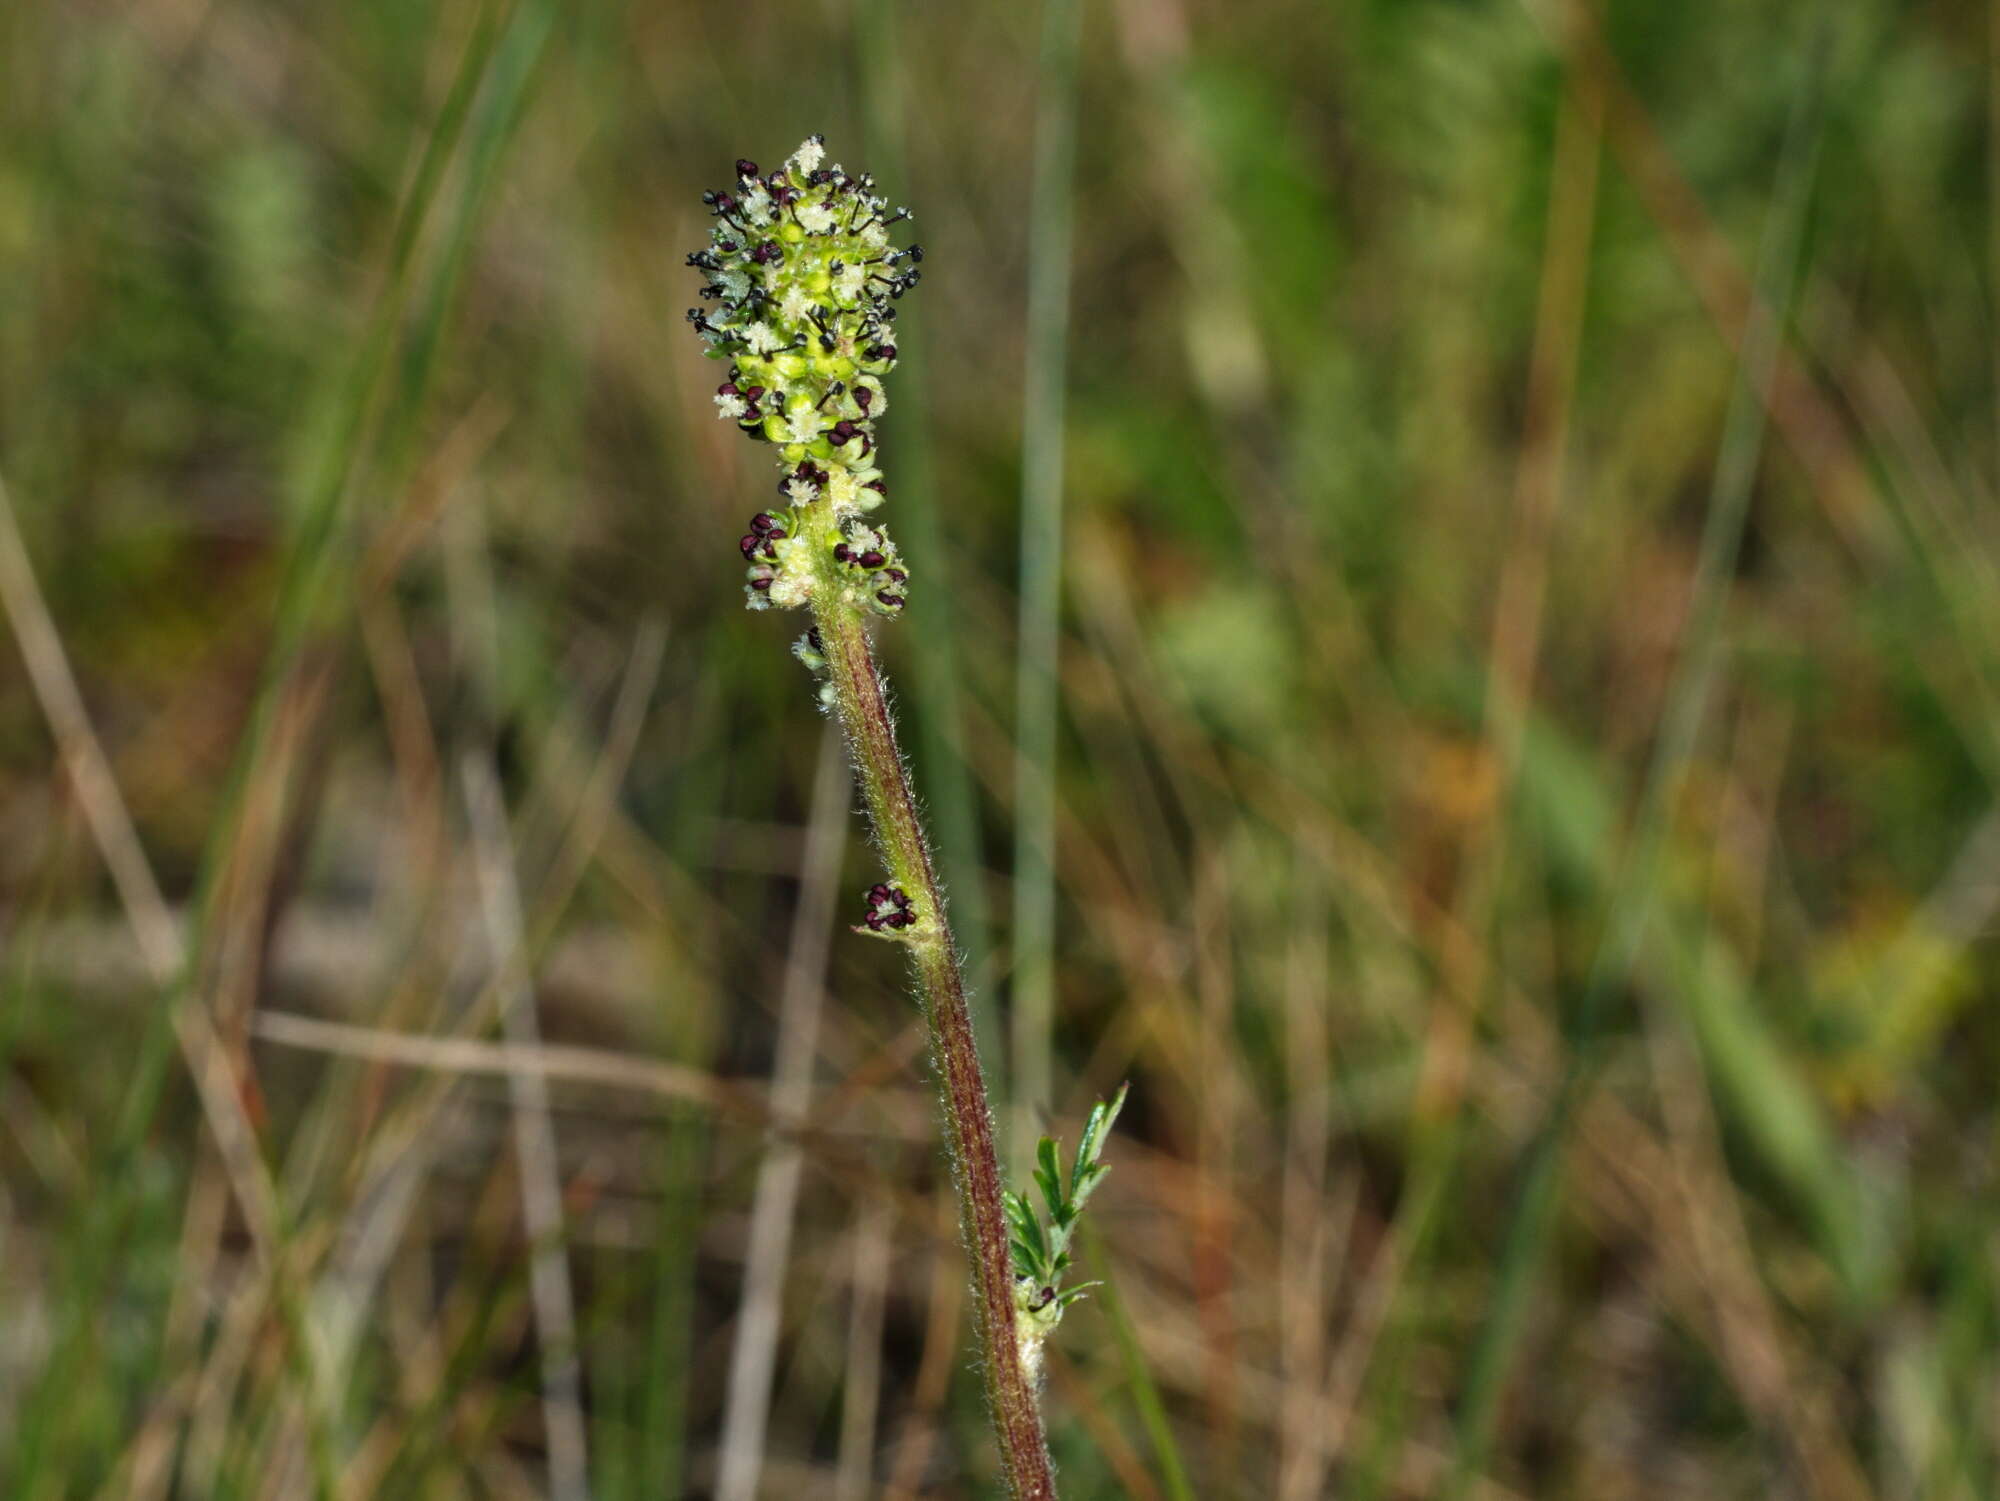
(1041,1246)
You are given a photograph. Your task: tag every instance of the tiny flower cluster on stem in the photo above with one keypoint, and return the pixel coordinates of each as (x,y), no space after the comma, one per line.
(889,911)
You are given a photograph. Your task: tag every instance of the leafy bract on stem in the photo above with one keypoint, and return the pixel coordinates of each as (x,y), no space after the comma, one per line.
(1041,1236)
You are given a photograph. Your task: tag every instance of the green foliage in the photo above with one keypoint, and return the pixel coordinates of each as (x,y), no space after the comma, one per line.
(1042,1235)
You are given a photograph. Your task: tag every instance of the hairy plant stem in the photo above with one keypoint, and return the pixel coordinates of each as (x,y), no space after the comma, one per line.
(862,702)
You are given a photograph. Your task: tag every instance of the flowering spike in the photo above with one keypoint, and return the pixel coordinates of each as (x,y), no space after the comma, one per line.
(800,276)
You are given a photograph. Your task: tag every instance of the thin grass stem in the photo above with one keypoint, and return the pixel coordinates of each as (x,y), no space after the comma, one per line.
(1041,570)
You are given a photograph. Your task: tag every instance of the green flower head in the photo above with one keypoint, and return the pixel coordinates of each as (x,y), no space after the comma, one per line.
(802,282)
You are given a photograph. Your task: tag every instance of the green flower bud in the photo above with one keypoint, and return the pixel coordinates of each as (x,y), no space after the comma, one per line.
(810,652)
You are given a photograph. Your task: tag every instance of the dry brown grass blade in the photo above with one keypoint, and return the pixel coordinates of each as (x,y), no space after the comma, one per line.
(1135,1482)
(939,1359)
(599,1067)
(398,1153)
(83,759)
(1813,427)
(753,1360)
(221,1091)
(861,1382)
(534,1143)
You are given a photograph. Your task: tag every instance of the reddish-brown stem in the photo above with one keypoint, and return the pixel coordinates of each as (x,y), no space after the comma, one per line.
(863,705)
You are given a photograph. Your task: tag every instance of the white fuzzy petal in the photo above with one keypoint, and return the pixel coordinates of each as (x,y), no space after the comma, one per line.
(805,161)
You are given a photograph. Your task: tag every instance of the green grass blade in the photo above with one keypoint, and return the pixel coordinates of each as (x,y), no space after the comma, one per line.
(1036,687)
(1145,1395)
(1532,1218)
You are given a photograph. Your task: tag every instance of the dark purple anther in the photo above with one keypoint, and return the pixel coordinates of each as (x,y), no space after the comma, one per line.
(727,388)
(872,559)
(896,575)
(888,907)
(842,552)
(842,432)
(745,168)
(863,397)
(749,547)
(878,486)
(893,601)
(760,583)
(916,252)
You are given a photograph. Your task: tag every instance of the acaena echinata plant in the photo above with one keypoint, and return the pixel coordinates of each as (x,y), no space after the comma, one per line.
(802,287)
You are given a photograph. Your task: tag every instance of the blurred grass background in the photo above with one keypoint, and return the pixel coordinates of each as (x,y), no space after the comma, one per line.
(1502,757)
